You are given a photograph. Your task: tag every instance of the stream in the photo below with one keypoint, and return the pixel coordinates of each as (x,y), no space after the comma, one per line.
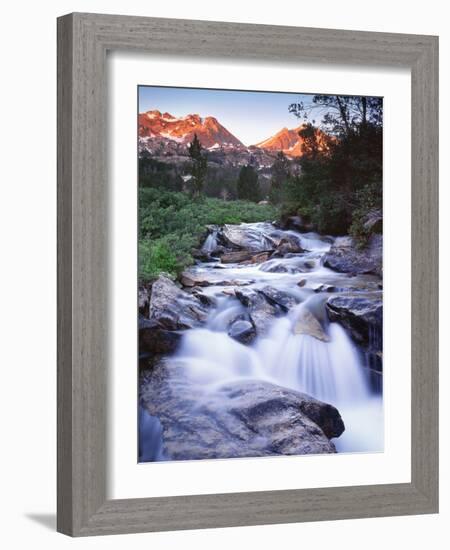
(299,348)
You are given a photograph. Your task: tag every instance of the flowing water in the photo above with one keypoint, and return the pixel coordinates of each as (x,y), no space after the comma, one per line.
(331,369)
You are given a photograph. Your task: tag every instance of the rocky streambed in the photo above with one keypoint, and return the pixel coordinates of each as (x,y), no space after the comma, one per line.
(270,345)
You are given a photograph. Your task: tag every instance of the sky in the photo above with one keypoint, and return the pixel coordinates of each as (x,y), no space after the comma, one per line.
(250,116)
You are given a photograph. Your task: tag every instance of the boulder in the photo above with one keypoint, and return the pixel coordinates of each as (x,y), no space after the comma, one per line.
(288,245)
(200,255)
(362,316)
(345,257)
(240,419)
(236,257)
(242,330)
(324,288)
(274,266)
(190,278)
(173,308)
(280,298)
(155,339)
(306,323)
(228,291)
(259,258)
(294,265)
(252,239)
(205,299)
(262,313)
(357,313)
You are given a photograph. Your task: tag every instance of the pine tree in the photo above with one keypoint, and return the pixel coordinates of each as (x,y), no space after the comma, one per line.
(198,167)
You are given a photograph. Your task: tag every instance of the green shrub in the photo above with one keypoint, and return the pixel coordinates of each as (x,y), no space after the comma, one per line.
(155,257)
(172,224)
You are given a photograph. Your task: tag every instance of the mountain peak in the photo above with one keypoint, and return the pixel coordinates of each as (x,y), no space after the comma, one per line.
(287,140)
(209,130)
(153,114)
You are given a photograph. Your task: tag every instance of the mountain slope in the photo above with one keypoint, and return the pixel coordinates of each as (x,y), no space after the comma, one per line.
(288,141)
(154,124)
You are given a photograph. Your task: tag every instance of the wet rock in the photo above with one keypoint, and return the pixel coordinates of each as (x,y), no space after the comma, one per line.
(259,258)
(279,297)
(206,300)
(200,255)
(236,257)
(274,266)
(362,317)
(190,279)
(173,308)
(345,257)
(155,339)
(243,331)
(228,291)
(248,238)
(241,419)
(324,288)
(283,266)
(306,323)
(288,245)
(302,282)
(262,313)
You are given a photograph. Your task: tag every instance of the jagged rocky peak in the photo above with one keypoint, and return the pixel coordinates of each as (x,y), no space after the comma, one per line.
(210,132)
(289,141)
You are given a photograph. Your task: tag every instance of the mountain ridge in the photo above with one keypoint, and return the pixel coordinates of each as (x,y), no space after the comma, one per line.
(182,129)
(163,131)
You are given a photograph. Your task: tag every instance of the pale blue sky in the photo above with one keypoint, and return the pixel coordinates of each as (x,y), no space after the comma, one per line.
(250,116)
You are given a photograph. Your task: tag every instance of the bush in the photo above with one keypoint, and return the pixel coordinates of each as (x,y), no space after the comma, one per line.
(172,224)
(156,257)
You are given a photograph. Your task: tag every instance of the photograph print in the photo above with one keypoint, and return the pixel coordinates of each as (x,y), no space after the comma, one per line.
(260,291)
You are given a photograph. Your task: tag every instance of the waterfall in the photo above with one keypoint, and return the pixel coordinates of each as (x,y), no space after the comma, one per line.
(331,371)
(210,243)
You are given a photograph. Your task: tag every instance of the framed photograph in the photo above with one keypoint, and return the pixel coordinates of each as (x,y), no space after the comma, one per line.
(247,274)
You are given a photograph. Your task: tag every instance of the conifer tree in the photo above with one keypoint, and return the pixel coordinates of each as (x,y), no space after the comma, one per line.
(198,166)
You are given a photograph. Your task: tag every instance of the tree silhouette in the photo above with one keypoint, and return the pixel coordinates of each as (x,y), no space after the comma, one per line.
(198,166)
(342,115)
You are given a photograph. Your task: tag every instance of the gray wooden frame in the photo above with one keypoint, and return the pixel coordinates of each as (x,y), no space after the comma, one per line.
(83,41)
